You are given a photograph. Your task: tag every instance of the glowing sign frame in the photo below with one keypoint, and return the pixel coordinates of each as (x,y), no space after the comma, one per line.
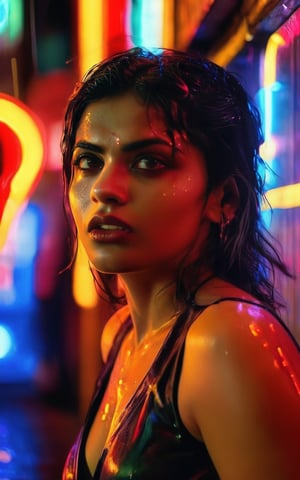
(287,196)
(29,131)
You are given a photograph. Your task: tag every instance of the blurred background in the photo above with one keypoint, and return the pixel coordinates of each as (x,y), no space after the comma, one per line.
(50,317)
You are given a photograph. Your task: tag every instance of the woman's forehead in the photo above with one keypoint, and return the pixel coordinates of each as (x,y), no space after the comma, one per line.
(122,116)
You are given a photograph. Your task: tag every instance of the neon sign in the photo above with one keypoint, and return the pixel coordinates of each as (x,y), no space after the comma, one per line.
(19,173)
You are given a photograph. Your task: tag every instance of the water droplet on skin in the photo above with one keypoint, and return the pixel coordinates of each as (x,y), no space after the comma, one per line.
(115,139)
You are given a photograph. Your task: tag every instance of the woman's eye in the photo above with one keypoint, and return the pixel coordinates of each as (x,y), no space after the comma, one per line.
(148,163)
(87,163)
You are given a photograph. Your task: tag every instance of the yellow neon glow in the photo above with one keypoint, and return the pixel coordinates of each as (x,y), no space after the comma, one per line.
(29,134)
(275,41)
(283,197)
(269,78)
(91,33)
(287,196)
(84,290)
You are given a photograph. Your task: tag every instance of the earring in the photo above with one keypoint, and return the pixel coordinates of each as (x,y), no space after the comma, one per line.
(224,222)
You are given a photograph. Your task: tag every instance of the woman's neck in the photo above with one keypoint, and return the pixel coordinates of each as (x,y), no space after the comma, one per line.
(151,304)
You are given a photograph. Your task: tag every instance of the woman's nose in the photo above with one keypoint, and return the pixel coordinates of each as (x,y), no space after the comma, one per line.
(110,186)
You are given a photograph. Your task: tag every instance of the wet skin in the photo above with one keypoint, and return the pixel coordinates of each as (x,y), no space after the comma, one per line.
(127,167)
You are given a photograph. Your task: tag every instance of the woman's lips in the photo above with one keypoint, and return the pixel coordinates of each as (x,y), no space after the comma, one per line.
(108,229)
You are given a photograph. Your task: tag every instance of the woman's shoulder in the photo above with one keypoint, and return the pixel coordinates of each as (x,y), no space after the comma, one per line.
(234,321)
(111,329)
(238,322)
(240,364)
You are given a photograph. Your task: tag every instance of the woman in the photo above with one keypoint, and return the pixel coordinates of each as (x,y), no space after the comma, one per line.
(201,379)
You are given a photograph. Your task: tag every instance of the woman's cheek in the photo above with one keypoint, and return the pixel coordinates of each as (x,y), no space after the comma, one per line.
(79,198)
(183,186)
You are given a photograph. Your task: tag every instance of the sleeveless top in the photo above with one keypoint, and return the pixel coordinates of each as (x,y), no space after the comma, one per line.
(150,442)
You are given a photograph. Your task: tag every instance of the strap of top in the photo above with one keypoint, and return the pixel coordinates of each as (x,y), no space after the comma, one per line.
(257,304)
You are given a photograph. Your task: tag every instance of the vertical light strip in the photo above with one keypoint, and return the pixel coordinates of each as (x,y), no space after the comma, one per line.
(152,15)
(90,33)
(153,23)
(286,196)
(92,48)
(156,29)
(128,23)
(168,39)
(273,44)
(275,41)
(117,27)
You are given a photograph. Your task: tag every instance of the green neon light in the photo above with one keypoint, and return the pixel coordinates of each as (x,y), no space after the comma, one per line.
(11,20)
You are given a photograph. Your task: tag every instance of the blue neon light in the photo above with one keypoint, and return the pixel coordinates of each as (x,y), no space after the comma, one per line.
(3,15)
(147,23)
(6,341)
(19,338)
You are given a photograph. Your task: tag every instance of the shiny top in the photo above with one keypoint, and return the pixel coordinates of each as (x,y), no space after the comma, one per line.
(150,441)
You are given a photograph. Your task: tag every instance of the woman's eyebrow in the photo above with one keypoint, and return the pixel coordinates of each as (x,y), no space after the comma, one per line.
(128,147)
(89,146)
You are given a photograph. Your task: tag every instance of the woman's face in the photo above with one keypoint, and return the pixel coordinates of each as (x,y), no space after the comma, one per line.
(138,198)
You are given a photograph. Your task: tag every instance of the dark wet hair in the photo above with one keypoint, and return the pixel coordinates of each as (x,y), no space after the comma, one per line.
(210,107)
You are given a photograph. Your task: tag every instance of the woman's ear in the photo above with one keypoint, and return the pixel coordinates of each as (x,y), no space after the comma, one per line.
(223,201)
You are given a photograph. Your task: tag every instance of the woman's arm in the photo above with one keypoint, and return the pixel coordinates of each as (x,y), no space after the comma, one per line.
(240,392)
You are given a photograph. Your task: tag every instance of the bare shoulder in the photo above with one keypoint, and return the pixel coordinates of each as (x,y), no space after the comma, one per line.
(250,343)
(243,327)
(238,321)
(111,329)
(247,386)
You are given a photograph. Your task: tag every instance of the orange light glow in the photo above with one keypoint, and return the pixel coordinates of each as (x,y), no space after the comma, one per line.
(91,30)
(112,466)
(28,130)
(168,24)
(101,31)
(84,290)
